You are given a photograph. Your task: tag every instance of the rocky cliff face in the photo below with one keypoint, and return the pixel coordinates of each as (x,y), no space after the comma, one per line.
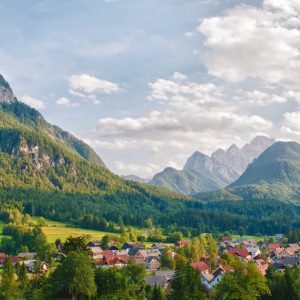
(6,93)
(213,172)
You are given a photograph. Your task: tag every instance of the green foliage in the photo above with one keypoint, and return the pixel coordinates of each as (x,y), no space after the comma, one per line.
(20,236)
(75,277)
(244,283)
(75,244)
(186,283)
(8,285)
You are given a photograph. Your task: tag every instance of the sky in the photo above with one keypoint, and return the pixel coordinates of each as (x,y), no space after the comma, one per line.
(148,82)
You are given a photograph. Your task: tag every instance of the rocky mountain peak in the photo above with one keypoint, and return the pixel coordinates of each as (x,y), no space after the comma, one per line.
(6,93)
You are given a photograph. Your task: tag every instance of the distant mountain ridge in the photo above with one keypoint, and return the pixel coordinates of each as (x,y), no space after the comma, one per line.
(203,173)
(274,175)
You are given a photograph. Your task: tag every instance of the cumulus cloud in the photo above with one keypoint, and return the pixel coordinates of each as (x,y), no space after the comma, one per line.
(194,117)
(261,98)
(261,43)
(86,84)
(33,102)
(66,102)
(178,88)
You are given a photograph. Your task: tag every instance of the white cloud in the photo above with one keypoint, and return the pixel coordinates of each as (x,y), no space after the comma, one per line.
(86,84)
(66,102)
(179,76)
(255,42)
(261,98)
(179,88)
(189,34)
(33,102)
(194,117)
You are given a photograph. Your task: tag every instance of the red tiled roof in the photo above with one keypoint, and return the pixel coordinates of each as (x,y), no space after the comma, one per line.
(273,246)
(200,266)
(227,268)
(242,252)
(226,238)
(107,253)
(13,259)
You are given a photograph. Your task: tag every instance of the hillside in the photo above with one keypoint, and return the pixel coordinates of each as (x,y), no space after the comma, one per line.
(203,173)
(275,174)
(47,169)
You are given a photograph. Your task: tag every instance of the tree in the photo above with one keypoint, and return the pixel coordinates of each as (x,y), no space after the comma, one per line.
(174,237)
(186,283)
(8,286)
(105,242)
(244,283)
(111,284)
(75,244)
(22,276)
(58,244)
(75,276)
(157,293)
(167,261)
(135,275)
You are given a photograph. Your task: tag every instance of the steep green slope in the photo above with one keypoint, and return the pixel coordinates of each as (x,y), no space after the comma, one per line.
(183,181)
(32,118)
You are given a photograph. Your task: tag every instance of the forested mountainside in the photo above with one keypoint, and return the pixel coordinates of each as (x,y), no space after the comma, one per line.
(203,173)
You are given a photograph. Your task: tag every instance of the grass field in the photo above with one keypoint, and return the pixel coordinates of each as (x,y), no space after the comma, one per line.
(58,230)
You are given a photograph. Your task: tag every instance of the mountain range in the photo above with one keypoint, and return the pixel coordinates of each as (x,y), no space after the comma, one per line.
(46,171)
(203,173)
(274,175)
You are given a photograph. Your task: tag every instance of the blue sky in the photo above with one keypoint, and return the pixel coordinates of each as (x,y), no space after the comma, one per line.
(148,82)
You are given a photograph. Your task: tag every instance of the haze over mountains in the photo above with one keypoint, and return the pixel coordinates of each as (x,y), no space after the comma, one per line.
(274,175)
(203,173)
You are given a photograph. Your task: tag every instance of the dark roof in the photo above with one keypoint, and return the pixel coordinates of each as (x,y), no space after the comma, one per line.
(132,245)
(95,243)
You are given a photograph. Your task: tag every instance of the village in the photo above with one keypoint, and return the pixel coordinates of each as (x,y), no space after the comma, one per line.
(279,254)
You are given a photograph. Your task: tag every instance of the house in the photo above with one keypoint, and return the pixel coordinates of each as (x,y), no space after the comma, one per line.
(113,261)
(279,236)
(200,266)
(262,266)
(97,252)
(160,278)
(143,253)
(226,238)
(95,243)
(254,251)
(294,246)
(29,256)
(273,246)
(13,259)
(158,246)
(32,264)
(138,260)
(211,279)
(113,248)
(281,264)
(182,243)
(132,246)
(242,253)
(152,263)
